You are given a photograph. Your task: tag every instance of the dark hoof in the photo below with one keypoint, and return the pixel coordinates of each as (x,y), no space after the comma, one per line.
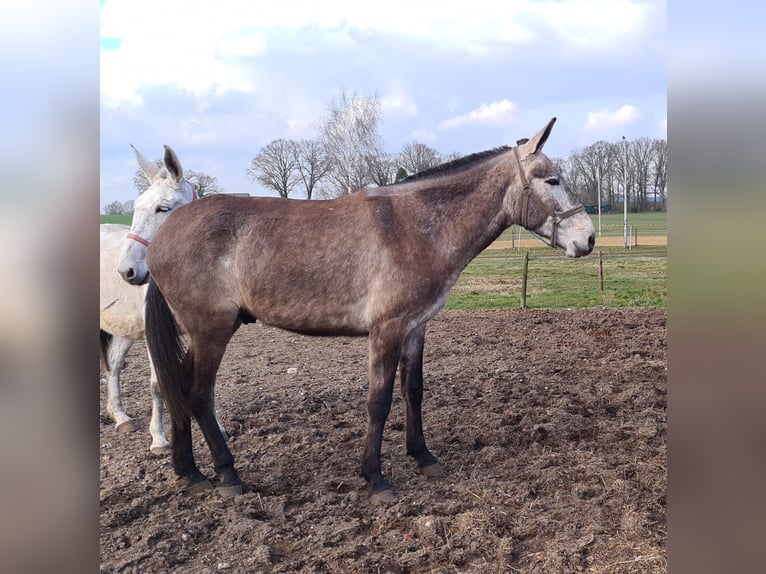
(434,470)
(383,497)
(229,491)
(197,487)
(126,426)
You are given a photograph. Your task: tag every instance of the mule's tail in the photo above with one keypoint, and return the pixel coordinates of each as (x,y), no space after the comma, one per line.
(171,361)
(106,339)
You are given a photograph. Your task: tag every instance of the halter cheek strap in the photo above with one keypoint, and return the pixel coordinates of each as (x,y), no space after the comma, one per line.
(138,238)
(143,241)
(527,194)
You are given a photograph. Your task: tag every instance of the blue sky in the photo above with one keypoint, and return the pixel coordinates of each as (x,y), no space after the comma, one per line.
(218,80)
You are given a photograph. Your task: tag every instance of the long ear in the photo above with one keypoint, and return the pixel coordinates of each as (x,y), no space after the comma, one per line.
(150,170)
(537,142)
(172,164)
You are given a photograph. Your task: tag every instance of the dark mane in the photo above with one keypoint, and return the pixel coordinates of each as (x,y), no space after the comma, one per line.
(456,165)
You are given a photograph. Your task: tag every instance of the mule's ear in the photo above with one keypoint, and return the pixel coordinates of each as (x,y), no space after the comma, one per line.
(150,170)
(536,143)
(172,164)
(147,166)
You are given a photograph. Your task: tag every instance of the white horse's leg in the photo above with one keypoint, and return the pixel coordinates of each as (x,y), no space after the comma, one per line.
(217,418)
(118,348)
(160,444)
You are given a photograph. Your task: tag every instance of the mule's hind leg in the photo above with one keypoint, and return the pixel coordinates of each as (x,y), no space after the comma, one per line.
(201,400)
(411,380)
(117,348)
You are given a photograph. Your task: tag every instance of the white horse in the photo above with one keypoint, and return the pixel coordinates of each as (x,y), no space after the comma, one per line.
(122,304)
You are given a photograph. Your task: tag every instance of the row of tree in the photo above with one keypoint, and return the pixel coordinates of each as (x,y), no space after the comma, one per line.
(347,154)
(637,169)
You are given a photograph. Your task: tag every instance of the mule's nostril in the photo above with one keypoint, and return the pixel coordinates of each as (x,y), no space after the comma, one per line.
(128,274)
(592,240)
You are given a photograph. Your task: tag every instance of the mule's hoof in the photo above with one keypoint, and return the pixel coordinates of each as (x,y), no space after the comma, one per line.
(229,491)
(126,426)
(160,450)
(434,470)
(201,486)
(383,497)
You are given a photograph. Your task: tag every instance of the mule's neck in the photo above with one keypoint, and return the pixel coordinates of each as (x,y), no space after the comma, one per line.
(474,216)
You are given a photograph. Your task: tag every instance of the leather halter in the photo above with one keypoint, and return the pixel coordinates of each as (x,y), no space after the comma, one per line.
(527,194)
(145,242)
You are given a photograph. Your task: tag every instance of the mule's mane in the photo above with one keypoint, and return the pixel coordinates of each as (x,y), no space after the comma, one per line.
(456,165)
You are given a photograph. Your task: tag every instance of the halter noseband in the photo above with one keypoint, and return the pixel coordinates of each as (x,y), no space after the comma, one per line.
(556,216)
(143,241)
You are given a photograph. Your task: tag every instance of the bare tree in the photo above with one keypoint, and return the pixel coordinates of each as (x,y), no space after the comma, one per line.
(589,171)
(451,156)
(276,167)
(383,168)
(204,183)
(641,153)
(660,172)
(350,139)
(311,164)
(416,156)
(117,208)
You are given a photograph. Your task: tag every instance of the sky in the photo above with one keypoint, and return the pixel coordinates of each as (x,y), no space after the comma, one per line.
(217,81)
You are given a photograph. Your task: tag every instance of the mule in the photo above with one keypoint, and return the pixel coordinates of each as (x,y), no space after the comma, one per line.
(121,304)
(378,263)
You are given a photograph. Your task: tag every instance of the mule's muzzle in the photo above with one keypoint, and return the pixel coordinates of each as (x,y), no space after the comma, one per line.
(576,249)
(131,276)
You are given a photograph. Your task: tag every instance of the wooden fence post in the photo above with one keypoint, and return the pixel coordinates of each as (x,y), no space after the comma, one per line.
(524,280)
(600,271)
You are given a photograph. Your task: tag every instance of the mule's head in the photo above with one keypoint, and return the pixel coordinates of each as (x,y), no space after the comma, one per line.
(168,191)
(545,205)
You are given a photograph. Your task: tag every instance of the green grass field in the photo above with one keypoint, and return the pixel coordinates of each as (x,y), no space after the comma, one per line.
(634,277)
(126,219)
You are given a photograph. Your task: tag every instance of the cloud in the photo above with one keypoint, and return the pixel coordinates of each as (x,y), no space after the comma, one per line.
(423,135)
(202,44)
(496,113)
(399,104)
(606,118)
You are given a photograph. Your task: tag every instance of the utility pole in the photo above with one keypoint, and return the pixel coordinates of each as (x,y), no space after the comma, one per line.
(599,192)
(625,195)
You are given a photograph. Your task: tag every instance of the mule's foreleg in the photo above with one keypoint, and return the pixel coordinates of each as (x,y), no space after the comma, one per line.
(384,357)
(160,444)
(411,382)
(118,348)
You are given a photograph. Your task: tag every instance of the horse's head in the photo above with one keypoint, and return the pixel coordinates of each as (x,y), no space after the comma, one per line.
(168,191)
(546,206)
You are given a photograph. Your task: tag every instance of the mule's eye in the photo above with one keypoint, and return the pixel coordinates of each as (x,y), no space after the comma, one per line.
(552,181)
(162,209)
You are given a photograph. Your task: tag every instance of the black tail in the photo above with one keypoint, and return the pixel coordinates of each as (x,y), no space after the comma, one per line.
(106,339)
(163,339)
